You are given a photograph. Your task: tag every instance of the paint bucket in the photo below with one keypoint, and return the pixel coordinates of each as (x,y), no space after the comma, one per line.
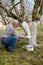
(29,47)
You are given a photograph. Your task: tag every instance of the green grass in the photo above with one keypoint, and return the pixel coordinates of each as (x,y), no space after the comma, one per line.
(21,56)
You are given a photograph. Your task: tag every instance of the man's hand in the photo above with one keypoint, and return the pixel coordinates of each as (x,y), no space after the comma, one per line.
(24,37)
(27,37)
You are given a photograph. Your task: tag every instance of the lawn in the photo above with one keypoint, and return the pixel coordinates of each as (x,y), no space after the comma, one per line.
(21,56)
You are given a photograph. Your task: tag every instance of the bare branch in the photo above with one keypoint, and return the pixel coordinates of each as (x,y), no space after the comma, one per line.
(22,8)
(9,13)
(12,1)
(35,10)
(15,8)
(15,5)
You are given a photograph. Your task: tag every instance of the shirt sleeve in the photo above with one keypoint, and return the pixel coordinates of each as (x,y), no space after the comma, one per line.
(18,34)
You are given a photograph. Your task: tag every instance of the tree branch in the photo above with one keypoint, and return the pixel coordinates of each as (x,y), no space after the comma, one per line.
(14,5)
(35,13)
(9,13)
(22,8)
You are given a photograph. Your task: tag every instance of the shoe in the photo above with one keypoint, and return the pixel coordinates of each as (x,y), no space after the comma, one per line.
(10,50)
(6,46)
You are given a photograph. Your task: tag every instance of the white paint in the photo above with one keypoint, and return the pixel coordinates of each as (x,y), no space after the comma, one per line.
(32,40)
(26,28)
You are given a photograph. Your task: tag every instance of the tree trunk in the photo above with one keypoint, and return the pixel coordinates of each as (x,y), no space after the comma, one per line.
(35,18)
(25,26)
(32,40)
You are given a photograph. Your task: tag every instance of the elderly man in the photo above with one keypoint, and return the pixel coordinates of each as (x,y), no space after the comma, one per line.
(10,36)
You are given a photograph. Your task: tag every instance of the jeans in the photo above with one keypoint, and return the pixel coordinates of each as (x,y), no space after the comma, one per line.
(10,42)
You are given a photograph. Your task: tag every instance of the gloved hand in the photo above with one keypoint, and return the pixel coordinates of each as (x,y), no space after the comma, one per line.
(24,37)
(27,37)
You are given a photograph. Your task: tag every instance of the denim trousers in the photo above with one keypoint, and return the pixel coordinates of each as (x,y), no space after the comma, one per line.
(10,41)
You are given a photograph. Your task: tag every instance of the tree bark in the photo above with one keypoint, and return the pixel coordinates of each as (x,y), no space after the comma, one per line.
(22,8)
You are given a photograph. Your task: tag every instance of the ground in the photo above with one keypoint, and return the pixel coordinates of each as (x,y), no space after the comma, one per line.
(21,56)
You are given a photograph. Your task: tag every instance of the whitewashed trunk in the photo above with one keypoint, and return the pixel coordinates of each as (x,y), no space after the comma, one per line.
(26,28)
(32,40)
